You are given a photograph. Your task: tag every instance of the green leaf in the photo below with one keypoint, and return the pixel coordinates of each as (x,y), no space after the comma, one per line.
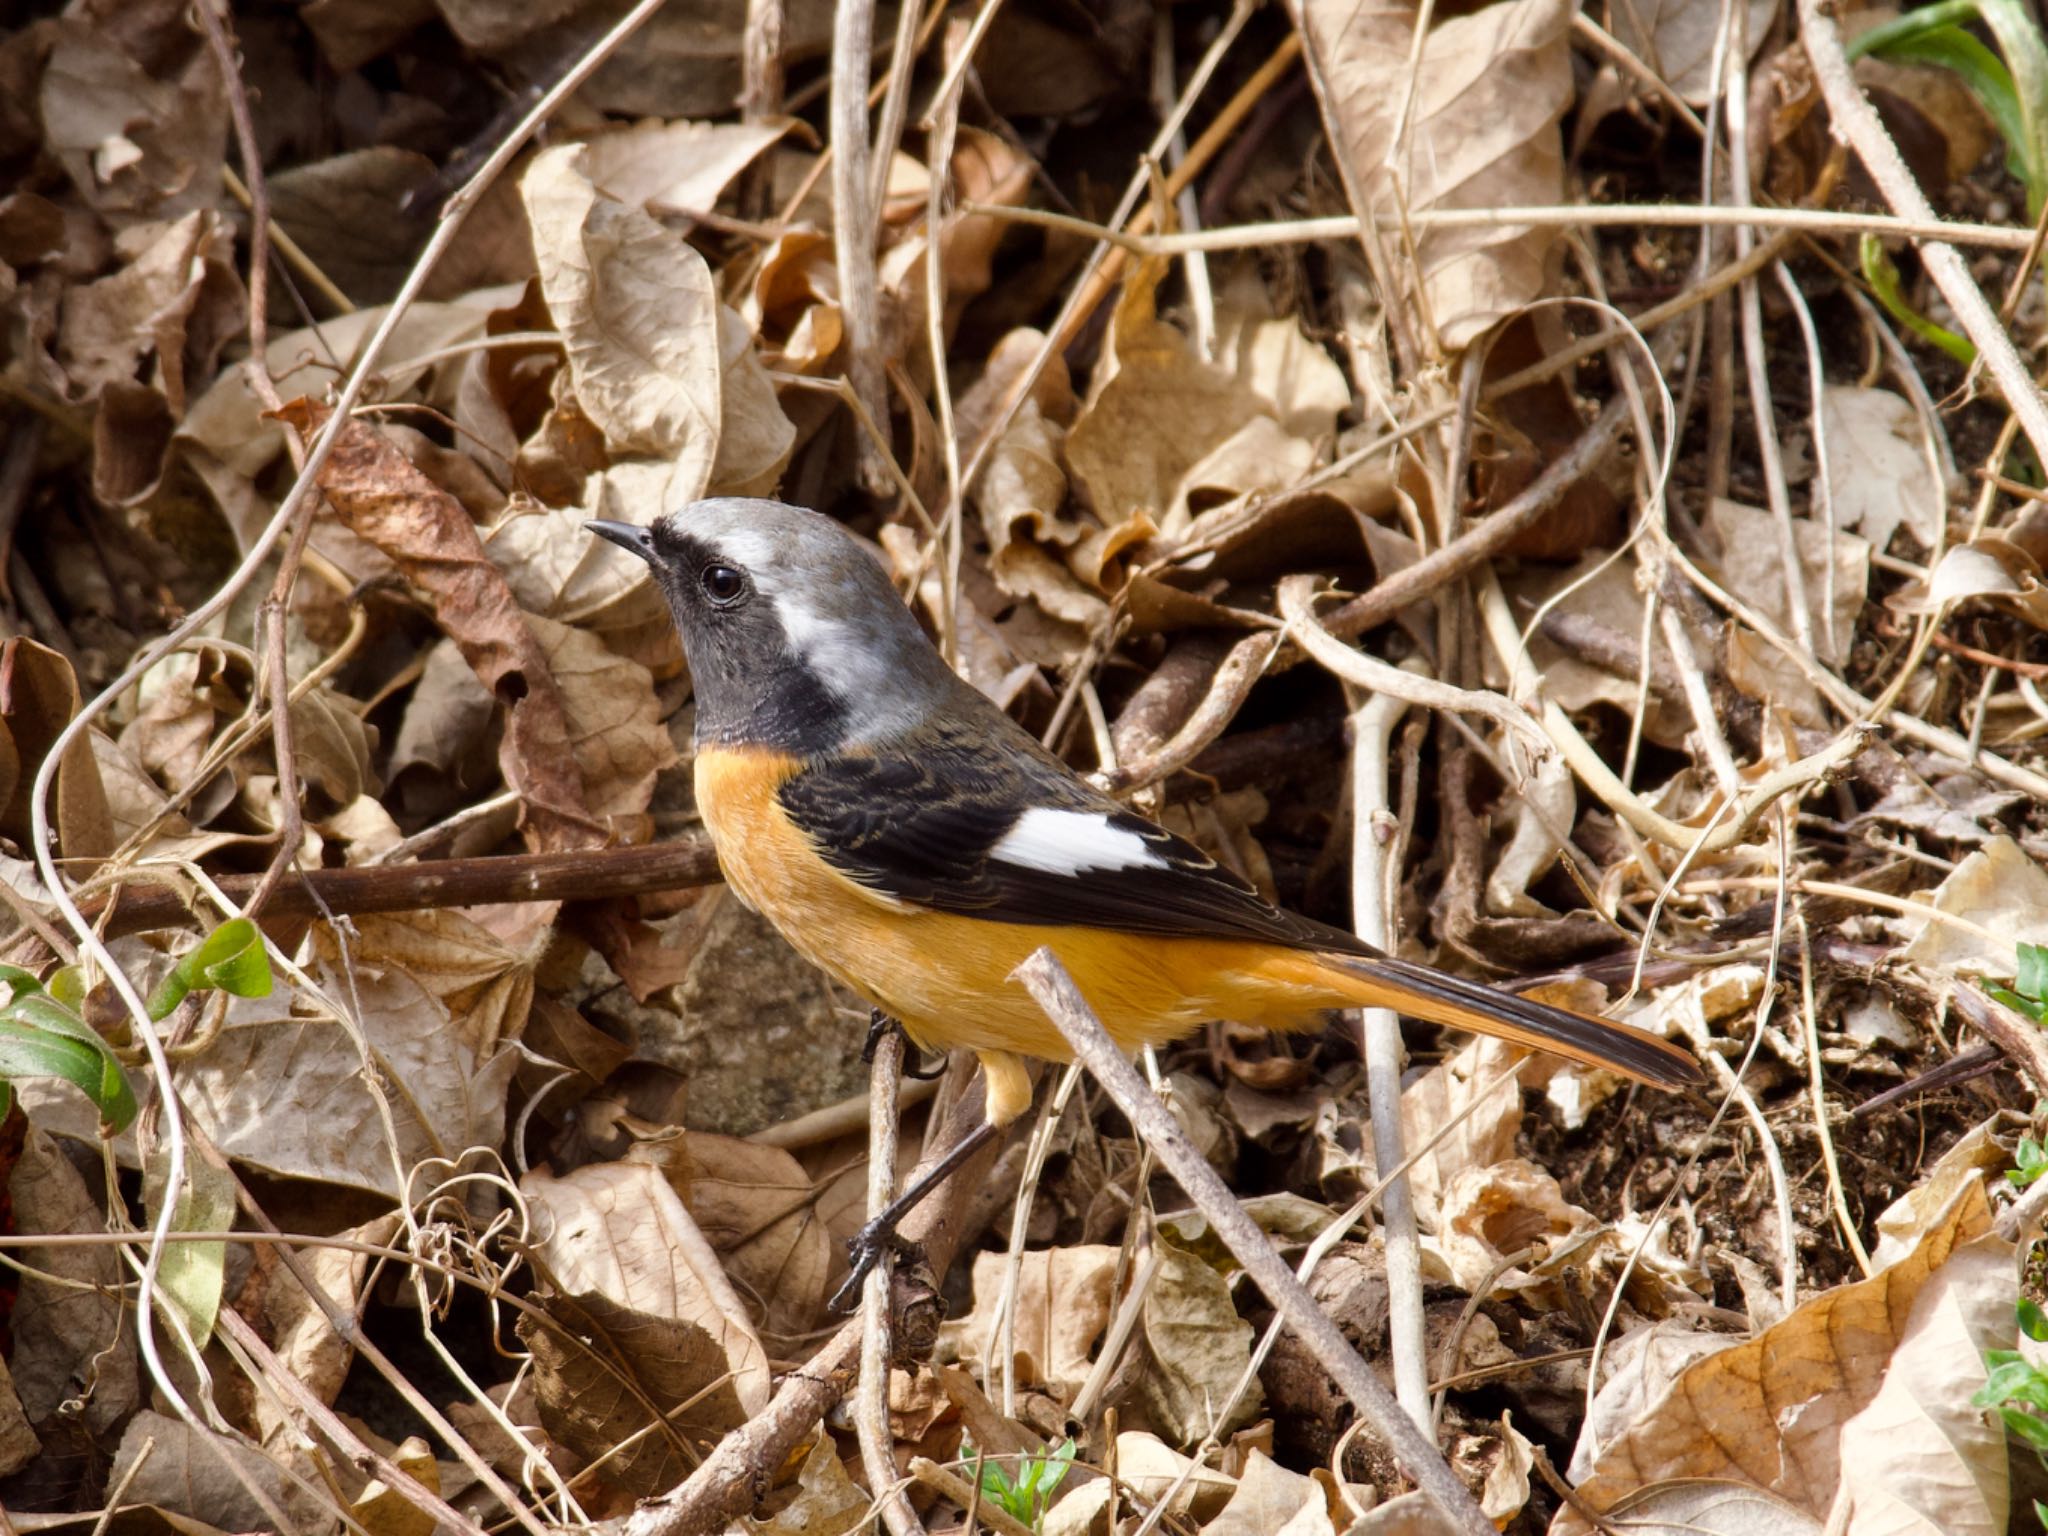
(2033,1321)
(2027,1426)
(29,1047)
(68,987)
(231,958)
(2030,976)
(192,1276)
(1883,277)
(19,982)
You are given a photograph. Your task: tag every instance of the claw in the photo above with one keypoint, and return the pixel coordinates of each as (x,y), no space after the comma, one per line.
(864,1250)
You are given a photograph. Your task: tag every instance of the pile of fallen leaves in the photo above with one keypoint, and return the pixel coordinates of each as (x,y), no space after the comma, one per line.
(1371,440)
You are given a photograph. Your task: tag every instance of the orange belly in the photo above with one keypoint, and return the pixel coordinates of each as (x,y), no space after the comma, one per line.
(946,978)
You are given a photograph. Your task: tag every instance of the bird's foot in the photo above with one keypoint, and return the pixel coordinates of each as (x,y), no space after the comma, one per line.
(866,1249)
(880,1026)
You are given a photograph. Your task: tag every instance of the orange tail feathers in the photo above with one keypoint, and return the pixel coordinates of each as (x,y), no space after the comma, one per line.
(1379,981)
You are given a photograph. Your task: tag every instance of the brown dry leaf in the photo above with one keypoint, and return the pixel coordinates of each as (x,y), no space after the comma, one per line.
(1921,1456)
(754,1204)
(1196,1349)
(678,167)
(1063,1306)
(616,1230)
(1151,1468)
(1296,377)
(2000,897)
(285,1092)
(1990,566)
(1639,1368)
(386,501)
(827,1503)
(986,169)
(1676,38)
(1710,1507)
(485,984)
(1982,1149)
(794,303)
(383,1511)
(1488,94)
(200,1475)
(1598,593)
(73,1342)
(1834,568)
(1272,1501)
(18,1443)
(1154,410)
(162,319)
(1879,474)
(1486,1130)
(135,146)
(615,726)
(1771,1411)
(607,1375)
(639,314)
(305,1343)
(38,698)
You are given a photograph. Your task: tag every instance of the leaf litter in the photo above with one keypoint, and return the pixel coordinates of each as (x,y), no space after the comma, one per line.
(515,1210)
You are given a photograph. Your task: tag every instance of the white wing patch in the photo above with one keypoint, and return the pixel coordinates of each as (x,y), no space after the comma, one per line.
(1072,843)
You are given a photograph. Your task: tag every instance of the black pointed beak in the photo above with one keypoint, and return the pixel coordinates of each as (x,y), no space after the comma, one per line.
(628,536)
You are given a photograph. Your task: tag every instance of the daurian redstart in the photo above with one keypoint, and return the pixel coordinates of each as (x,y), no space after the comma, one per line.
(909,838)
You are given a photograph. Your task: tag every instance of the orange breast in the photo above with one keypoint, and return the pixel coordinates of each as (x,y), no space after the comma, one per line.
(947,977)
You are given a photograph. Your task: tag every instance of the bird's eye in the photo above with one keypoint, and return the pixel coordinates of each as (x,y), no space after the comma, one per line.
(723,584)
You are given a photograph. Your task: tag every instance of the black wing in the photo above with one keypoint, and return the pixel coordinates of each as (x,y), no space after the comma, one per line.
(925,821)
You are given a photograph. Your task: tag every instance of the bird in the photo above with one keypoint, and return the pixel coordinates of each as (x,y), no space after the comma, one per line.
(915,843)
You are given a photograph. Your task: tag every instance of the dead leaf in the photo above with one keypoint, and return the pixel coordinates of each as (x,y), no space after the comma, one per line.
(638,312)
(1770,1411)
(1486,1129)
(610,1230)
(827,1502)
(199,1475)
(754,1205)
(1677,38)
(1879,475)
(1272,1501)
(679,167)
(2001,894)
(38,698)
(74,1344)
(1153,411)
(425,530)
(1062,1309)
(18,1443)
(1196,1350)
(615,726)
(1488,94)
(616,1383)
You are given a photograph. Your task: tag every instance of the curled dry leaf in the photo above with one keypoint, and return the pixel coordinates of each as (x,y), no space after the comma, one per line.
(1476,1091)
(1771,1411)
(827,1502)
(1196,1350)
(426,532)
(678,167)
(1998,897)
(619,1231)
(1481,112)
(38,698)
(194,1475)
(665,371)
(1271,1501)
(1677,38)
(615,726)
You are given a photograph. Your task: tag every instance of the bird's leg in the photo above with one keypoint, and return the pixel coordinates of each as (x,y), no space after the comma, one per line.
(879,1025)
(865,1248)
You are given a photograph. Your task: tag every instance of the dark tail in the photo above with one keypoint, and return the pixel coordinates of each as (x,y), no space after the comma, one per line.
(1436,997)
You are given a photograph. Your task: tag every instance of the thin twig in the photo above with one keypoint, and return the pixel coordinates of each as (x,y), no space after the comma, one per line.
(1056,993)
(1372,731)
(853,222)
(871,1396)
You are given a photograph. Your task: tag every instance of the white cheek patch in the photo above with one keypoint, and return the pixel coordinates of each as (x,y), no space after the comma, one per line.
(1072,843)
